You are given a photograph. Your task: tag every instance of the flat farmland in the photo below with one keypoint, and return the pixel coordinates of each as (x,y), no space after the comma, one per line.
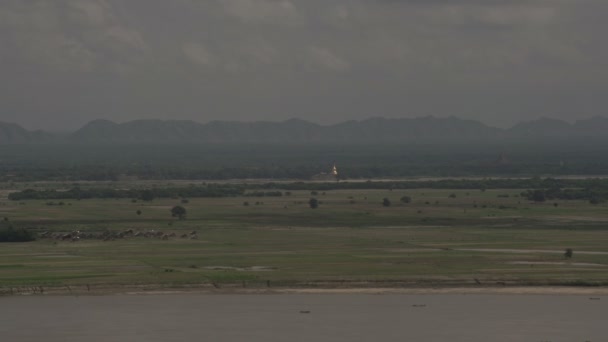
(441,238)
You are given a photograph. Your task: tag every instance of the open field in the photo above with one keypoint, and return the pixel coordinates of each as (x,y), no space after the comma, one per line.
(475,238)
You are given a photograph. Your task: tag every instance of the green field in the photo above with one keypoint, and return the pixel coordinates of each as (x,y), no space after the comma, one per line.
(478,237)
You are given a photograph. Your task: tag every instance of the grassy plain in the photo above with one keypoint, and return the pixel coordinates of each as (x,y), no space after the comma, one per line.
(350,240)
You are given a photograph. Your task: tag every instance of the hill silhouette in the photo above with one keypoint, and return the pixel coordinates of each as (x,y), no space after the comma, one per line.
(374,130)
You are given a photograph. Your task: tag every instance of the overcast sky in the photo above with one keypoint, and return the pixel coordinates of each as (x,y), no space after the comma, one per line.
(66,62)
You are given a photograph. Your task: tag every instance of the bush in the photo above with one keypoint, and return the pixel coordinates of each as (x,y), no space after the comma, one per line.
(594,200)
(386,202)
(147,195)
(538,196)
(406,199)
(179,212)
(10,234)
(313,203)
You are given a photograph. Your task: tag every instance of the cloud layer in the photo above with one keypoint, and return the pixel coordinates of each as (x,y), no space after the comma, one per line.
(66,62)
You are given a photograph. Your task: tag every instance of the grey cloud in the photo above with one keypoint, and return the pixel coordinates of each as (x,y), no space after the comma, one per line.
(95,11)
(198,54)
(65,62)
(282,11)
(70,35)
(328,59)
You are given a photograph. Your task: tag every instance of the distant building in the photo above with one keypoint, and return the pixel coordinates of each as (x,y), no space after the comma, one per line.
(329,176)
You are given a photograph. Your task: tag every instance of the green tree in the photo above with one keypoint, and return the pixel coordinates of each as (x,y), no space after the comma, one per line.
(147,195)
(386,202)
(10,234)
(313,203)
(406,199)
(538,196)
(179,212)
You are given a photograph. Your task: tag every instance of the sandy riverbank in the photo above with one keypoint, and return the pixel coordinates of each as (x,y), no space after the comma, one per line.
(210,289)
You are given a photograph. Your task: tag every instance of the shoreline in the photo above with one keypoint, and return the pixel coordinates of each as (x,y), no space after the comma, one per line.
(146,290)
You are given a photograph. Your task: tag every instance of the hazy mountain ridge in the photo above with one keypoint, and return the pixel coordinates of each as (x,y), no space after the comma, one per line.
(11,133)
(293,130)
(374,130)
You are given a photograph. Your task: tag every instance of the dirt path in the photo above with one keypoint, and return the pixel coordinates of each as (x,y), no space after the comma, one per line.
(523,251)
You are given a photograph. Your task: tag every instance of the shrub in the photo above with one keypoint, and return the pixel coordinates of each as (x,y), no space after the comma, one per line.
(147,195)
(179,212)
(538,196)
(594,200)
(10,234)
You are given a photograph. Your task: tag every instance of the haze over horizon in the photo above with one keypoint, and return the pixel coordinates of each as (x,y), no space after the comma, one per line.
(539,120)
(67,62)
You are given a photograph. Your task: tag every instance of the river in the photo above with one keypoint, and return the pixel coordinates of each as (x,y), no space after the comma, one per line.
(304,317)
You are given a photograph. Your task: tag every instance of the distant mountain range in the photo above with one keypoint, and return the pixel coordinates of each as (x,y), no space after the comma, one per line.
(375,130)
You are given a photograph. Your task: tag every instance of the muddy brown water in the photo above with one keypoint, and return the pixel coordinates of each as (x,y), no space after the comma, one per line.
(296,317)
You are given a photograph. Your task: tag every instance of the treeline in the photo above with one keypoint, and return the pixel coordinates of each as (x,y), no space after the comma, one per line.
(211,190)
(594,195)
(264,194)
(284,161)
(463,184)
(553,188)
(347,171)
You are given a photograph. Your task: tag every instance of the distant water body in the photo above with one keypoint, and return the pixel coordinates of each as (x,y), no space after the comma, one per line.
(286,318)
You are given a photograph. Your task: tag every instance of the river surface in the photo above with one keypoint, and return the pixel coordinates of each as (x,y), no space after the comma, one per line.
(309,317)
